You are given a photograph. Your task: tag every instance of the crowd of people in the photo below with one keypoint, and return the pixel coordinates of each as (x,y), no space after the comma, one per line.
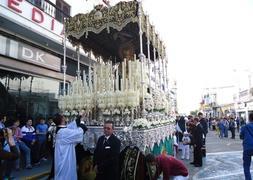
(30,143)
(225,124)
(60,139)
(191,132)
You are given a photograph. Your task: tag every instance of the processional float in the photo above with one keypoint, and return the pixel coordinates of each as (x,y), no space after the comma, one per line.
(132,91)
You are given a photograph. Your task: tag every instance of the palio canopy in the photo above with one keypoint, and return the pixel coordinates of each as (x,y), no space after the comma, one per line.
(113,32)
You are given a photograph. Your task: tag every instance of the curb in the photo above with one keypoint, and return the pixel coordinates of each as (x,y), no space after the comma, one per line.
(37,176)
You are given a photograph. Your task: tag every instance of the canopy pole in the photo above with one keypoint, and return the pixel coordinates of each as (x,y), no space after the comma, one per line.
(166,72)
(64,67)
(149,61)
(159,64)
(78,72)
(154,51)
(163,68)
(141,55)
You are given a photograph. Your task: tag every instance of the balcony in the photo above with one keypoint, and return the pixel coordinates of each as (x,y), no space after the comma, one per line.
(59,11)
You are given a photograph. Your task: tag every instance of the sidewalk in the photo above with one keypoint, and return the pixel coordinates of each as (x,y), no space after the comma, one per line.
(37,172)
(223,160)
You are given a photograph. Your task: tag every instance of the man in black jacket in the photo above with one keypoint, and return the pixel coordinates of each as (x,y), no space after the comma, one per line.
(204,124)
(197,136)
(106,154)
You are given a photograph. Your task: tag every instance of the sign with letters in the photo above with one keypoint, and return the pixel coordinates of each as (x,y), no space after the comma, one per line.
(27,53)
(31,17)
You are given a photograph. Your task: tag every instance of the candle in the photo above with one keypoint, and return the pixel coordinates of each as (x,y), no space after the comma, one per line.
(117,79)
(90,78)
(129,73)
(112,80)
(68,89)
(98,88)
(123,76)
(122,85)
(126,83)
(95,79)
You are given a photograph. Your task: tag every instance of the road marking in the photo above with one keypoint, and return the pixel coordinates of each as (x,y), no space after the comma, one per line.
(228,152)
(220,176)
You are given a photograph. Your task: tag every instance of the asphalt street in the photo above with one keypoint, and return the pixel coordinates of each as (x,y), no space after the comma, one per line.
(223,160)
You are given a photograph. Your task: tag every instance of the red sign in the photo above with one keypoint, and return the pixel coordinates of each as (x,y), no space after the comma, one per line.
(31,13)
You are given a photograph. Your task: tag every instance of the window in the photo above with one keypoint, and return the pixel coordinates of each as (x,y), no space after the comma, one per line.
(63,10)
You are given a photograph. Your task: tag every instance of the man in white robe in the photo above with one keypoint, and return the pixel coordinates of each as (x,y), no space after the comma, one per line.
(67,137)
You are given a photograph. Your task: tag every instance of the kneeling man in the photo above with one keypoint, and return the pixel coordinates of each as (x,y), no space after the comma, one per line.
(171,167)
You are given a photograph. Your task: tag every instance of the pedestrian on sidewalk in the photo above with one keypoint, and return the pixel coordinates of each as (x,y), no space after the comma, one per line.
(171,167)
(237,124)
(41,132)
(186,146)
(6,138)
(175,145)
(197,136)
(181,128)
(204,124)
(247,136)
(226,125)
(21,146)
(50,144)
(232,127)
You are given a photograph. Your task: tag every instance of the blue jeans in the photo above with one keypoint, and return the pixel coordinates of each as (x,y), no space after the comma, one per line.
(246,163)
(23,147)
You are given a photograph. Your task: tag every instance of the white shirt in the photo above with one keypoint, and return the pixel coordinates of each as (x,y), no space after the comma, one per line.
(65,155)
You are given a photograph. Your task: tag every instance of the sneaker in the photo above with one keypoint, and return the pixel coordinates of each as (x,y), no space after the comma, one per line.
(28,167)
(36,164)
(44,159)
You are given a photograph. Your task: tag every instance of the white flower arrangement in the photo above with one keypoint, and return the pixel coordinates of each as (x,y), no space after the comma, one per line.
(172,119)
(141,123)
(120,96)
(66,113)
(127,129)
(81,112)
(74,113)
(61,103)
(126,112)
(155,123)
(160,101)
(149,103)
(132,98)
(116,111)
(106,112)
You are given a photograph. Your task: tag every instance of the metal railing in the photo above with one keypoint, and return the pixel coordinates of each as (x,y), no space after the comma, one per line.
(50,8)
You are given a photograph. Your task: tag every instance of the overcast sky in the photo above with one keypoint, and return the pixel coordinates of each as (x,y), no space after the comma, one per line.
(205,39)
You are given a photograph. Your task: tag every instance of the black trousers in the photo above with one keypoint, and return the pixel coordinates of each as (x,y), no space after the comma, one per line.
(197,155)
(232,132)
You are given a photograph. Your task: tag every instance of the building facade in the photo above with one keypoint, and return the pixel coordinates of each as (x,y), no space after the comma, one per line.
(31,57)
(244,103)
